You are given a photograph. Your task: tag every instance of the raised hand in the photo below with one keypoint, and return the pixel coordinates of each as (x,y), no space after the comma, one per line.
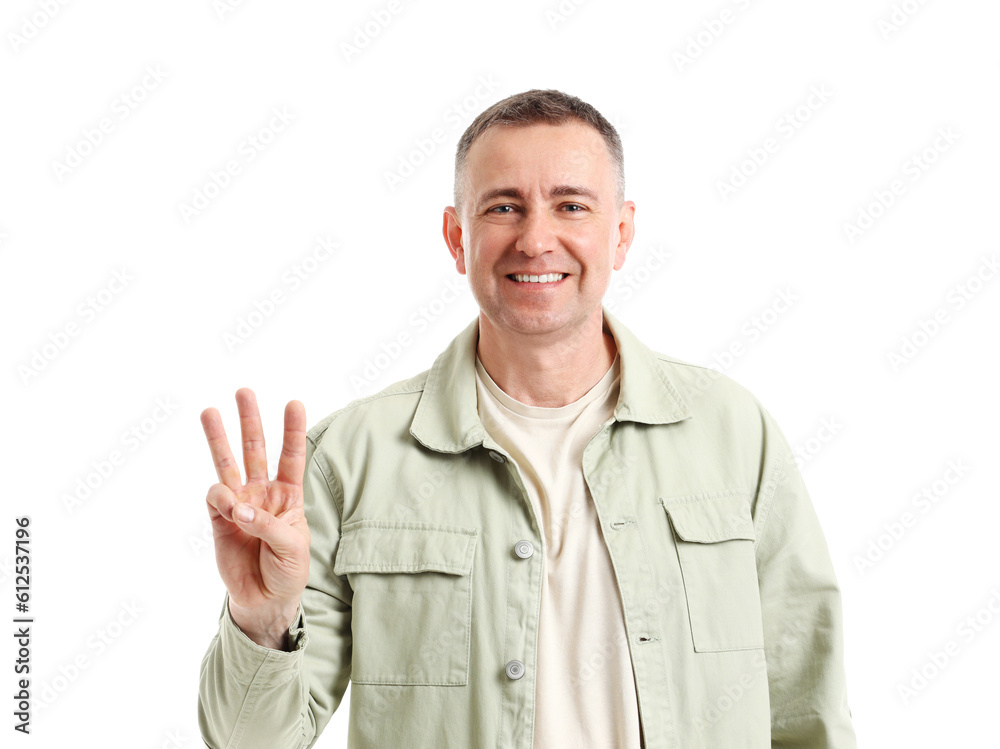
(260,530)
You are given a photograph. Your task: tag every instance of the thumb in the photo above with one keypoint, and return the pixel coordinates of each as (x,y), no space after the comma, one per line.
(284,540)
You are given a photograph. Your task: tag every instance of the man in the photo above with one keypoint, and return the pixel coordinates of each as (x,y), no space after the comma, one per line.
(554,537)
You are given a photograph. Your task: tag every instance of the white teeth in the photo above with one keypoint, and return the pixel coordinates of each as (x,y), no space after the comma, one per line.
(539,279)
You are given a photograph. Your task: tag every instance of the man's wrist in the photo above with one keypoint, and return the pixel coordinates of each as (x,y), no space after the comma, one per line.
(267,626)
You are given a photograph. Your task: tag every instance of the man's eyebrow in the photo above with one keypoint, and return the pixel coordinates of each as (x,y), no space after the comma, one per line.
(559,191)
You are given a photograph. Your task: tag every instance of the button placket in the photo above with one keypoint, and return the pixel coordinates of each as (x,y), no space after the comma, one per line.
(523,549)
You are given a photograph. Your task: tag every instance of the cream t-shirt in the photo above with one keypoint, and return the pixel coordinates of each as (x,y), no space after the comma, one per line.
(585,689)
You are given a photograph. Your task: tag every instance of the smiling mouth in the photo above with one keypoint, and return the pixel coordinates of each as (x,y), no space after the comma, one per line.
(542,279)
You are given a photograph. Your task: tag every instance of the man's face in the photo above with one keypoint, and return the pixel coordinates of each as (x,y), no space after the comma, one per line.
(539,199)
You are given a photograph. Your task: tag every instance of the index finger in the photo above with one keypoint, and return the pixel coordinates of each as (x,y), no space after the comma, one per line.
(225,465)
(292,464)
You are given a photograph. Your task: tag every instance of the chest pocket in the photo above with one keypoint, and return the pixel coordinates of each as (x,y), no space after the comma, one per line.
(411,617)
(714,537)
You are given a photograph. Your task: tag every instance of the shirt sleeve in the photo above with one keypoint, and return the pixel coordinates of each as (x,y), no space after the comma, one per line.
(251,696)
(801,608)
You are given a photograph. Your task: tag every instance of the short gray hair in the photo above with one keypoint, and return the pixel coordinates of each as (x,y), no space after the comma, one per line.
(531,107)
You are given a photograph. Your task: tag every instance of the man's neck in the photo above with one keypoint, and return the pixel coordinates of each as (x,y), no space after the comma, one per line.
(543,373)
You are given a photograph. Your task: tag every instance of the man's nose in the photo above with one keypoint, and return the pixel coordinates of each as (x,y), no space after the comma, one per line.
(538,232)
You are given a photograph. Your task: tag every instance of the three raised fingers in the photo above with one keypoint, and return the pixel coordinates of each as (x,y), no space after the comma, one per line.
(292,462)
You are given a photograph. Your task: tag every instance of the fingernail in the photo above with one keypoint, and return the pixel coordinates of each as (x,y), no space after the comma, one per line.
(244,512)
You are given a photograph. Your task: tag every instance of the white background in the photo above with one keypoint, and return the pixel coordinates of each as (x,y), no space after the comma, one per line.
(141,538)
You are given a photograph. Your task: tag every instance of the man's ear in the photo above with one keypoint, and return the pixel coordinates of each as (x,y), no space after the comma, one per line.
(626,232)
(452,231)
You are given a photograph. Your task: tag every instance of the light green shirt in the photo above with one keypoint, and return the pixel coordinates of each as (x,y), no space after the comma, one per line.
(418,597)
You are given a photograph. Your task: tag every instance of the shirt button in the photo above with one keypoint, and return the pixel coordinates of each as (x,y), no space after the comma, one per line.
(497,456)
(524,549)
(515,670)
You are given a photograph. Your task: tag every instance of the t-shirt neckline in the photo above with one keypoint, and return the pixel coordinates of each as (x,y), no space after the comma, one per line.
(542,412)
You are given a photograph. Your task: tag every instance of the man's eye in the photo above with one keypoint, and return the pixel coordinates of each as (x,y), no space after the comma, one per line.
(497,208)
(574,205)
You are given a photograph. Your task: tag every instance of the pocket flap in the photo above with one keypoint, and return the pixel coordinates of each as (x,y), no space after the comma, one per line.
(383,546)
(710,517)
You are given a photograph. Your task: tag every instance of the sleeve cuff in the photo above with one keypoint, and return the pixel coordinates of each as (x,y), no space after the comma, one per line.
(247,662)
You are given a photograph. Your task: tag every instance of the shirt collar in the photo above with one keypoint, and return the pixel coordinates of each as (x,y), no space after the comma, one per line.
(447,416)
